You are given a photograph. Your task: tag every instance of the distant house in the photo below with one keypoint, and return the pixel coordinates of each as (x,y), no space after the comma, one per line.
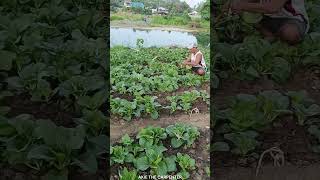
(129,4)
(160,10)
(193,13)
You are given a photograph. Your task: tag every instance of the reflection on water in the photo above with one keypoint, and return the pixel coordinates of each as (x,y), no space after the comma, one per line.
(152,38)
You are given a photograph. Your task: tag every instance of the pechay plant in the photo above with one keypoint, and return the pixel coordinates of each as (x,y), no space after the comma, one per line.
(151,136)
(303,106)
(182,134)
(186,164)
(243,142)
(154,159)
(125,174)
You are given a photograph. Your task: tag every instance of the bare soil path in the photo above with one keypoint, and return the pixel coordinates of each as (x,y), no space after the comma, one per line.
(118,129)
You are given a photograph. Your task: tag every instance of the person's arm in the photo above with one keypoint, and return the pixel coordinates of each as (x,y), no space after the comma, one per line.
(196,62)
(265,6)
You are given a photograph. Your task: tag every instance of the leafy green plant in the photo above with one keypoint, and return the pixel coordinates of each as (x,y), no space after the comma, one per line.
(255,112)
(273,104)
(244,141)
(118,154)
(182,134)
(151,136)
(126,140)
(149,105)
(220,146)
(244,113)
(93,102)
(155,160)
(125,174)
(186,163)
(140,43)
(303,106)
(123,107)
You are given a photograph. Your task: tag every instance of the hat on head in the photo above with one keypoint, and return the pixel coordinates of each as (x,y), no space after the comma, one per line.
(192,45)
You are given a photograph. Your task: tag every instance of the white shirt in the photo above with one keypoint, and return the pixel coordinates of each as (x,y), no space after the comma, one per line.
(202,62)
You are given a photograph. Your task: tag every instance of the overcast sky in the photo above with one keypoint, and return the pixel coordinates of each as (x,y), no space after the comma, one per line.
(192,3)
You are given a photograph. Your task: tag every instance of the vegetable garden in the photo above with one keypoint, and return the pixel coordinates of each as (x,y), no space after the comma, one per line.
(266,97)
(53,73)
(148,86)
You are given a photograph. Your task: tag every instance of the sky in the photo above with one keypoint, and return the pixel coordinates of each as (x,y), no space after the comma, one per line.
(192,3)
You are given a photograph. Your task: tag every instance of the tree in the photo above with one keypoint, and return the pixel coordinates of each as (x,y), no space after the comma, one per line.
(205,10)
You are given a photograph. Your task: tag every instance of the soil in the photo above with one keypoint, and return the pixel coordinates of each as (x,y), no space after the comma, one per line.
(294,140)
(120,128)
(21,104)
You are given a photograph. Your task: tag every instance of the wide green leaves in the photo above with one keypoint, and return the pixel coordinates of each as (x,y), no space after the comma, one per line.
(148,154)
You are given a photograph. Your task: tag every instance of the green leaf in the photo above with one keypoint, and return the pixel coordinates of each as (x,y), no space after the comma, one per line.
(142,163)
(98,145)
(315,131)
(24,124)
(126,140)
(171,164)
(14,83)
(128,175)
(129,158)
(176,143)
(313,110)
(220,146)
(6,60)
(281,70)
(87,162)
(4,110)
(252,72)
(155,115)
(162,169)
(184,174)
(244,141)
(60,137)
(41,152)
(6,130)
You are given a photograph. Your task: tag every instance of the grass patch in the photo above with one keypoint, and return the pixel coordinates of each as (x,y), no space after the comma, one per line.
(116,18)
(126,16)
(170,20)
